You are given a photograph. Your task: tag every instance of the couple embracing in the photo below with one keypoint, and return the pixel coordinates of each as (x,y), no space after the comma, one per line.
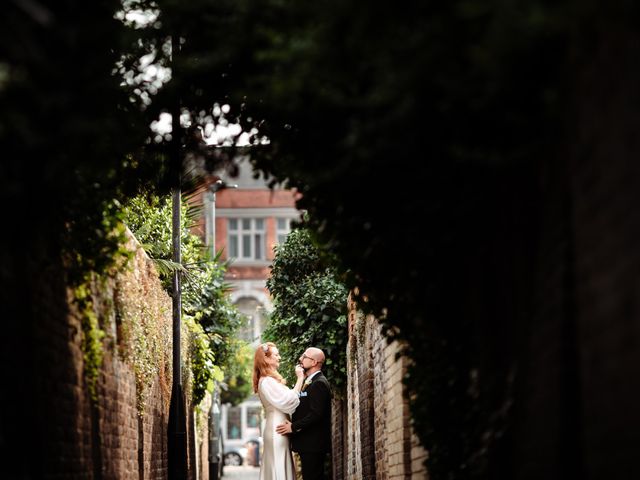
(297,419)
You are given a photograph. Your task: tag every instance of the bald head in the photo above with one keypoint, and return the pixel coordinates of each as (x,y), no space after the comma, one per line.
(311,360)
(315,353)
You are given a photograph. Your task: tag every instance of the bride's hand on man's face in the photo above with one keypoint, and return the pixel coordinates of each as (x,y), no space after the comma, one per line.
(299,371)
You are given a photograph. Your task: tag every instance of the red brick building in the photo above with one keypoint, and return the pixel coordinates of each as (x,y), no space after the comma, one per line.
(246,223)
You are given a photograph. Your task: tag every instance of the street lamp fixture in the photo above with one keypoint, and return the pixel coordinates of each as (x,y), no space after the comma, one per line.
(220,185)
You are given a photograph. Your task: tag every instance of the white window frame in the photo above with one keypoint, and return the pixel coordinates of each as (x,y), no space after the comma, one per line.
(252,232)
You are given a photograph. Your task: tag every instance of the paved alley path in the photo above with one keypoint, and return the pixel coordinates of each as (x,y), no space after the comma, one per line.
(241,473)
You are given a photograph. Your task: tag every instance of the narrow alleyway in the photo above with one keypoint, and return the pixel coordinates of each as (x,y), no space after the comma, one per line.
(241,473)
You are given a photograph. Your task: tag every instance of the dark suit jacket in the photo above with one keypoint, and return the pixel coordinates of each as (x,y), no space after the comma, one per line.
(311,422)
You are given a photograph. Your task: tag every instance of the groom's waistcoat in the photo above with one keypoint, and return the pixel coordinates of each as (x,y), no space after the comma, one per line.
(311,422)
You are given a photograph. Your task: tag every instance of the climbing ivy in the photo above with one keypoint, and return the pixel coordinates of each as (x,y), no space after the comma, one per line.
(92,336)
(208,314)
(143,317)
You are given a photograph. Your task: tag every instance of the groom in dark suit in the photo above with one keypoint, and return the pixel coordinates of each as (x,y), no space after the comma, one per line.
(310,428)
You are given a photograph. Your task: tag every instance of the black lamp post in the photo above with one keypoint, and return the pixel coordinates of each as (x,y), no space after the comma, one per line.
(177,428)
(177,438)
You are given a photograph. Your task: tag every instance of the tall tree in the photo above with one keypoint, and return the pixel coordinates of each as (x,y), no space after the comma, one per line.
(310,308)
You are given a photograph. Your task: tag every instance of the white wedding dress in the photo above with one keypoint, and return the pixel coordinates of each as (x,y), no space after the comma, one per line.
(279,402)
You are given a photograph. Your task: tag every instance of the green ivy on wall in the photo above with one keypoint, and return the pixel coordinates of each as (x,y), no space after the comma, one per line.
(92,336)
(209,318)
(143,311)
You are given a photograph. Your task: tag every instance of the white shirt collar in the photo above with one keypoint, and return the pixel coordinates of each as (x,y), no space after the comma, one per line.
(310,377)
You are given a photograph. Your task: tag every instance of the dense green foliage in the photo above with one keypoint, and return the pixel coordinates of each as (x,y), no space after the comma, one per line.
(436,108)
(310,309)
(207,310)
(439,110)
(69,127)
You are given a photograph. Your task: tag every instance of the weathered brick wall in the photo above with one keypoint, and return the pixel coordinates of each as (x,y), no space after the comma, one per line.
(574,411)
(201,437)
(381,386)
(379,441)
(117,420)
(366,405)
(106,438)
(395,420)
(152,437)
(353,446)
(605,191)
(339,438)
(403,456)
(62,419)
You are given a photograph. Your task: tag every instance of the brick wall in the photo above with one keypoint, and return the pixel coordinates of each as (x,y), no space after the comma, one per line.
(247,198)
(373,433)
(201,442)
(574,410)
(74,436)
(605,192)
(339,438)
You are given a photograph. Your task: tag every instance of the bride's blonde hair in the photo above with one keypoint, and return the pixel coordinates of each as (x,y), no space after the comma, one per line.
(260,366)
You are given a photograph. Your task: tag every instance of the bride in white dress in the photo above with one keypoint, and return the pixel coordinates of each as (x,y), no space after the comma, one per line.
(279,402)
